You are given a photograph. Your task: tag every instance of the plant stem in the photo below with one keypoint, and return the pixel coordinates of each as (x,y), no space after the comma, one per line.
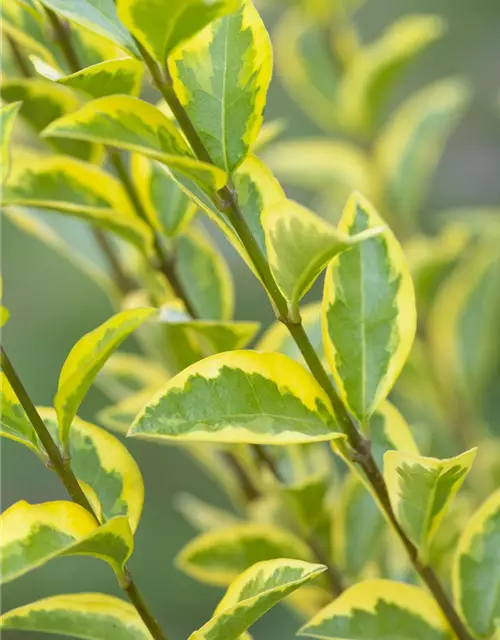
(228,205)
(63,469)
(63,37)
(122,280)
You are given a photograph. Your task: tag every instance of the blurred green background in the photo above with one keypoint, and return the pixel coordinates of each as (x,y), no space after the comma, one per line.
(52,305)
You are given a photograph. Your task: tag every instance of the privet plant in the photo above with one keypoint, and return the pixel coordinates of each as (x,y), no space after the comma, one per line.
(379,547)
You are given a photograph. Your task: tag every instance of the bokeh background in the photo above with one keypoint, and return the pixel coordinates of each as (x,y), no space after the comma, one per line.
(52,305)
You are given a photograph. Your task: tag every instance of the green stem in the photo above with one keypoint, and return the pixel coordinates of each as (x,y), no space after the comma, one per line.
(63,37)
(121,278)
(22,63)
(63,469)
(228,205)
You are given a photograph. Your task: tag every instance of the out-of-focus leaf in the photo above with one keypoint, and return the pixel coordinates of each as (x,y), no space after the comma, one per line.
(42,102)
(221,77)
(218,557)
(161,27)
(79,189)
(102,462)
(268,133)
(375,609)
(369,315)
(98,16)
(476,572)
(411,144)
(29,223)
(252,594)
(8,115)
(356,544)
(421,489)
(240,396)
(300,245)
(91,616)
(86,359)
(126,373)
(321,164)
(203,516)
(307,68)
(204,275)
(168,208)
(131,124)
(366,83)
(33,534)
(123,75)
(463,324)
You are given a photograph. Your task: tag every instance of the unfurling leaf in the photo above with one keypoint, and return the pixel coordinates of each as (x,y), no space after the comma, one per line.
(123,75)
(253,593)
(204,275)
(33,534)
(218,557)
(8,115)
(476,571)
(98,16)
(240,396)
(131,124)
(161,26)
(366,83)
(101,461)
(377,610)
(221,77)
(79,189)
(168,208)
(300,245)
(421,490)
(14,423)
(90,616)
(410,145)
(369,315)
(86,359)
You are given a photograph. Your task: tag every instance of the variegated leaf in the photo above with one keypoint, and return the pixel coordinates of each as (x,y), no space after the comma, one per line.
(123,75)
(369,315)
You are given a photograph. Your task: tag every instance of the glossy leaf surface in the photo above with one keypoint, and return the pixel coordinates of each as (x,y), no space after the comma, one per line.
(123,75)
(421,490)
(240,396)
(91,616)
(369,314)
(221,77)
(85,360)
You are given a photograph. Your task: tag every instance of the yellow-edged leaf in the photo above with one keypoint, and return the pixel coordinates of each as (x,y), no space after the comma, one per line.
(365,85)
(307,68)
(131,124)
(33,534)
(91,616)
(369,315)
(126,373)
(300,245)
(378,609)
(253,593)
(14,423)
(476,570)
(161,27)
(217,557)
(8,115)
(86,359)
(240,396)
(123,75)
(203,516)
(42,102)
(101,462)
(98,16)
(421,489)
(411,144)
(79,189)
(221,77)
